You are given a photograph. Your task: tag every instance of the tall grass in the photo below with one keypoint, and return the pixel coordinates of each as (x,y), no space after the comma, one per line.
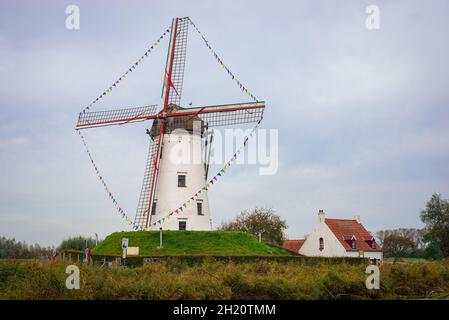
(221,280)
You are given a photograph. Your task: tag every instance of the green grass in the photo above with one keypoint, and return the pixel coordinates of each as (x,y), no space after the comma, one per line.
(408,260)
(176,243)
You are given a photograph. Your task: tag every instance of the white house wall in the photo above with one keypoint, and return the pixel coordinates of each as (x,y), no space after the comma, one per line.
(332,247)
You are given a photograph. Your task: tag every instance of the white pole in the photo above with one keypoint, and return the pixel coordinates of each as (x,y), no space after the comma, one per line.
(160,237)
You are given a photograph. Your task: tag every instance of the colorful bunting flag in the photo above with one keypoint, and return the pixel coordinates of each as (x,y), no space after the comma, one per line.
(123,76)
(220,62)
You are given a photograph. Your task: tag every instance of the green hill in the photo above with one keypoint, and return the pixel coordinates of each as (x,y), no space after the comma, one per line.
(176,243)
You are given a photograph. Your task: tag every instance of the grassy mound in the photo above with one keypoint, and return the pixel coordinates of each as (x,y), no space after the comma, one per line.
(213,243)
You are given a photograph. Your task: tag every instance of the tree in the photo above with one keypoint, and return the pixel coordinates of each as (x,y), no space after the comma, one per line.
(12,249)
(432,249)
(77,243)
(414,235)
(395,245)
(436,217)
(263,220)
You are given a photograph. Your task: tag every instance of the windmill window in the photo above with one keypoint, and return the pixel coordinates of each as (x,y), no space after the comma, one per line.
(153,208)
(181,181)
(199,207)
(182,225)
(321,244)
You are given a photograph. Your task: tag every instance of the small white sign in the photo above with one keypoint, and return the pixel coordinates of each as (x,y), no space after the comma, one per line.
(132,251)
(125,243)
(124,246)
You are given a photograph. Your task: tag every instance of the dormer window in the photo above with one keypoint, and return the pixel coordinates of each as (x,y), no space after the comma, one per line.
(373,244)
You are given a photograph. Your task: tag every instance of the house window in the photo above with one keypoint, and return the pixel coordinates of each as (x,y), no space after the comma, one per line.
(199,208)
(181,180)
(153,209)
(321,244)
(353,244)
(182,225)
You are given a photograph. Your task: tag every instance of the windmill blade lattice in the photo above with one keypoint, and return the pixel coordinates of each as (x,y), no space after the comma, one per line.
(215,119)
(179,61)
(113,117)
(220,115)
(143,205)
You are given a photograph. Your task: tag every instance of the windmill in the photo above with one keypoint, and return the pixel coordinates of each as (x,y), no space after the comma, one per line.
(166,184)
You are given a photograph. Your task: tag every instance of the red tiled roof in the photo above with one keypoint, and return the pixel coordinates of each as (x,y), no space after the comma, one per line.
(293,245)
(345,229)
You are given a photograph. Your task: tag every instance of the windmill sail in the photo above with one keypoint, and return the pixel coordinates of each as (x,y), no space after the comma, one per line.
(144,206)
(174,71)
(223,115)
(232,114)
(113,117)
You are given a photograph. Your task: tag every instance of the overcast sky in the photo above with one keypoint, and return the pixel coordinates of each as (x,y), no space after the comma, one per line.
(363,115)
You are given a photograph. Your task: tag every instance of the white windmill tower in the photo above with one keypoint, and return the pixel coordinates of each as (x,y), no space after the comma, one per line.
(167,182)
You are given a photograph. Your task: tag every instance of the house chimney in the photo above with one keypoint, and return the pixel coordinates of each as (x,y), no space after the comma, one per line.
(321,216)
(357,218)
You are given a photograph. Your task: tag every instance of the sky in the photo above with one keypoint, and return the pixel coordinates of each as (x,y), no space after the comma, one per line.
(362,115)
